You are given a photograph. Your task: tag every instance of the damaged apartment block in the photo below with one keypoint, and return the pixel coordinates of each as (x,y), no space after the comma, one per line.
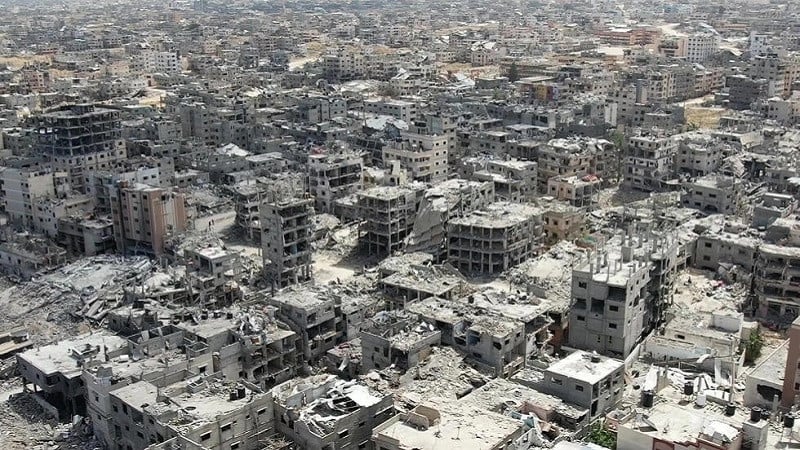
(285,240)
(494,239)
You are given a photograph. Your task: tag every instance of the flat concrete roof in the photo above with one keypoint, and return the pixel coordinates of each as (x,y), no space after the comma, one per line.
(460,426)
(58,357)
(579,366)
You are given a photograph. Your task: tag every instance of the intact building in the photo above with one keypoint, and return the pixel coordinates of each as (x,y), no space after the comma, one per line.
(144,216)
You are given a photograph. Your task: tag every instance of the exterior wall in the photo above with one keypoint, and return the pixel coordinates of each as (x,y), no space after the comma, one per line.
(649,162)
(425,157)
(598,398)
(389,219)
(379,353)
(791,376)
(143,216)
(475,248)
(332,177)
(777,283)
(711,250)
(21,188)
(720,198)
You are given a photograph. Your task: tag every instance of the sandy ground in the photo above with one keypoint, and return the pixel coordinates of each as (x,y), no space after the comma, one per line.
(222,222)
(329,266)
(705,117)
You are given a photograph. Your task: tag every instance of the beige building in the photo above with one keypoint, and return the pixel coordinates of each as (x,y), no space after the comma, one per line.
(144,216)
(577,191)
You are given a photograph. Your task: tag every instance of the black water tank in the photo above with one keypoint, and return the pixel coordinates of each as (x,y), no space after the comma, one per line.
(788,421)
(730,409)
(232,397)
(764,414)
(688,388)
(755,414)
(241,392)
(647,399)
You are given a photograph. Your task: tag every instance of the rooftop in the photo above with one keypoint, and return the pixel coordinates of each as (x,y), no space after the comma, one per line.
(588,367)
(499,215)
(64,356)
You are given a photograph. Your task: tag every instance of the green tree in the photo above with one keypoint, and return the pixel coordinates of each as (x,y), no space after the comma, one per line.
(600,435)
(753,346)
(513,72)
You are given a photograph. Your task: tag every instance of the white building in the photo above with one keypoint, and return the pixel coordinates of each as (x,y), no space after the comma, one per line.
(162,62)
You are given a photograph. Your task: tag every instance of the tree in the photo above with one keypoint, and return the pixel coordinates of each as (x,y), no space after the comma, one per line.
(513,72)
(602,436)
(753,346)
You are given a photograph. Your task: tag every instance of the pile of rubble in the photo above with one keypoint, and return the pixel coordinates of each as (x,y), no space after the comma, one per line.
(24,425)
(53,307)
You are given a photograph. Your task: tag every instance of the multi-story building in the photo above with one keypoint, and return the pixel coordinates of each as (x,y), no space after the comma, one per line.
(649,162)
(162,62)
(326,412)
(701,46)
(491,240)
(332,176)
(346,64)
(388,213)
(423,156)
(780,73)
(286,240)
(86,236)
(144,216)
(713,194)
(211,273)
(491,340)
(577,191)
(777,275)
(314,313)
(609,298)
(54,371)
(575,156)
(79,139)
(514,181)
(438,205)
(698,159)
(23,187)
(401,109)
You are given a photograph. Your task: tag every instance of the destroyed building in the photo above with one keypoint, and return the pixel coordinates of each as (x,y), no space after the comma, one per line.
(315,314)
(492,240)
(323,411)
(439,204)
(285,240)
(80,139)
(333,175)
(388,213)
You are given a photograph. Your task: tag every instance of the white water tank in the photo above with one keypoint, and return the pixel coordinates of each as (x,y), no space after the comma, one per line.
(700,400)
